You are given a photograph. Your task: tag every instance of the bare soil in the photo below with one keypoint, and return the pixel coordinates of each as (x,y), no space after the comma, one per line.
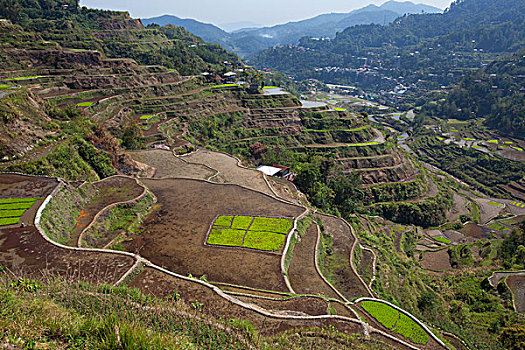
(488,212)
(24,251)
(516,284)
(166,165)
(230,172)
(160,284)
(302,272)
(475,231)
(174,233)
(300,305)
(436,261)
(460,207)
(344,277)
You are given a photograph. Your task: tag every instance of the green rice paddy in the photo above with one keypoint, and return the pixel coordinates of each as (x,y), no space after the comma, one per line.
(498,227)
(338,109)
(24,78)
(223,85)
(85,104)
(5,87)
(496,204)
(12,209)
(396,321)
(492,141)
(372,143)
(146,117)
(271,87)
(442,239)
(254,232)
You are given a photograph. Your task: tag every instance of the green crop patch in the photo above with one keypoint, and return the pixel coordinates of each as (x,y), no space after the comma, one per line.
(223,86)
(224,221)
(396,321)
(146,117)
(442,239)
(23,205)
(12,213)
(496,204)
(85,104)
(372,143)
(9,221)
(267,241)
(270,87)
(226,237)
(338,109)
(18,200)
(496,226)
(281,226)
(253,232)
(492,141)
(24,78)
(4,87)
(242,222)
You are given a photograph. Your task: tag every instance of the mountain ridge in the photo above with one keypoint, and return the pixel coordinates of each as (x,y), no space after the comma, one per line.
(248,41)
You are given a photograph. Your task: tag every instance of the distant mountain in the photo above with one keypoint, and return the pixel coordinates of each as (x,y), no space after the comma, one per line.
(247,42)
(236,26)
(208,32)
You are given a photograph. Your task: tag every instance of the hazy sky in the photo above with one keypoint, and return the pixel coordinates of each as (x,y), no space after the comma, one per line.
(264,12)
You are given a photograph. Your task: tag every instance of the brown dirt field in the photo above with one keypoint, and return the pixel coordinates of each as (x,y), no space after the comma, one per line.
(487,211)
(160,284)
(436,261)
(365,266)
(167,165)
(111,190)
(474,230)
(302,272)
(21,186)
(174,233)
(239,289)
(298,306)
(344,278)
(230,172)
(24,251)
(460,207)
(516,284)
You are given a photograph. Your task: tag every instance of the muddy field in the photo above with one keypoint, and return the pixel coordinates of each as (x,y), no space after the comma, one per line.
(109,191)
(168,166)
(294,306)
(21,186)
(516,284)
(475,231)
(160,284)
(302,272)
(229,171)
(436,261)
(174,233)
(24,251)
(344,278)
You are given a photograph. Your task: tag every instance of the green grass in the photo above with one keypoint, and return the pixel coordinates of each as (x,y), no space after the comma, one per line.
(282,226)
(85,104)
(442,239)
(267,241)
(517,148)
(492,141)
(440,138)
(9,221)
(338,109)
(496,204)
(498,227)
(4,87)
(396,321)
(363,144)
(226,237)
(454,130)
(242,222)
(469,139)
(508,142)
(271,87)
(18,200)
(146,117)
(11,213)
(224,221)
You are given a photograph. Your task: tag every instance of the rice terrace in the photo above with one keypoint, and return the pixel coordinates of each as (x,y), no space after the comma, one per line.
(331,183)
